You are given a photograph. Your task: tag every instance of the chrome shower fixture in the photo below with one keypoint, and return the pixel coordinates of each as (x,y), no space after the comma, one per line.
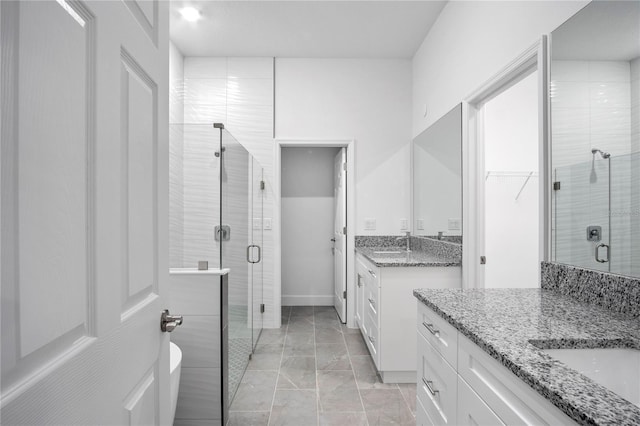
(604,155)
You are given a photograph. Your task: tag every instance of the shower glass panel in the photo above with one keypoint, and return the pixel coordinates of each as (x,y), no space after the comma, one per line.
(194,195)
(581,214)
(258,190)
(241,237)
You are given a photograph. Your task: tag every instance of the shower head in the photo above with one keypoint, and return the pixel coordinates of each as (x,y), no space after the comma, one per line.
(602,153)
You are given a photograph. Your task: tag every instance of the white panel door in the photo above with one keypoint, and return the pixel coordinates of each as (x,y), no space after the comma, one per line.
(84,212)
(339,233)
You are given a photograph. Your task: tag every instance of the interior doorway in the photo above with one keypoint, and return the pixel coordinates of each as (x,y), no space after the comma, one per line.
(511,187)
(314,181)
(506,154)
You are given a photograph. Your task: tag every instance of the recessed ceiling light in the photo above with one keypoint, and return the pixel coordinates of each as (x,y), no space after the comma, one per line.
(190,14)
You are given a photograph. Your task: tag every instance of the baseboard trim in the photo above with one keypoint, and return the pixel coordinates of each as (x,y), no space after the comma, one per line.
(398,376)
(288,300)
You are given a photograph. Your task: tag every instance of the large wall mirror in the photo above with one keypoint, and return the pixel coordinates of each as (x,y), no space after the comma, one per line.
(595,119)
(437,179)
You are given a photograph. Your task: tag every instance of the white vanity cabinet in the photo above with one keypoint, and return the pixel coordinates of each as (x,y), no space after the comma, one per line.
(385,315)
(460,384)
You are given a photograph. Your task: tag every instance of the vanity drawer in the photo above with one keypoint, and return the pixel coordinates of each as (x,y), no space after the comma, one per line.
(437,384)
(372,338)
(371,302)
(372,270)
(510,398)
(439,333)
(472,410)
(422,418)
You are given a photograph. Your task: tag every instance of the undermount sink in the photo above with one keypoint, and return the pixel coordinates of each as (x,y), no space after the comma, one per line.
(617,369)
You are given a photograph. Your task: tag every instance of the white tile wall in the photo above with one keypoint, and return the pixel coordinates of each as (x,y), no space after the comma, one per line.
(635,167)
(199,339)
(592,108)
(199,394)
(176,147)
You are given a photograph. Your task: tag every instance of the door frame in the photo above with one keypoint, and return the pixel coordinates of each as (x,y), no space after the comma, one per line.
(535,57)
(350,146)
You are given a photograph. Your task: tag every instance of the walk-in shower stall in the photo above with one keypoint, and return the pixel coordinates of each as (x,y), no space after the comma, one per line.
(217,190)
(596,213)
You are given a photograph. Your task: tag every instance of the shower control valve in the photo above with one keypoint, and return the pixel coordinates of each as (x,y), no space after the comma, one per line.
(594,233)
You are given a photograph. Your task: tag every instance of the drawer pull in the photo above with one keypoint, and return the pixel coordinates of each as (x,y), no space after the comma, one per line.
(431,329)
(372,274)
(373,302)
(429,385)
(359,280)
(372,340)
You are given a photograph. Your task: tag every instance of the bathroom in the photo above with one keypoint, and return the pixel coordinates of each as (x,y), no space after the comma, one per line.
(80,336)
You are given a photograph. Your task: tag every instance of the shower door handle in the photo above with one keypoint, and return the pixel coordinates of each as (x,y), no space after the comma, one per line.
(249,252)
(598,247)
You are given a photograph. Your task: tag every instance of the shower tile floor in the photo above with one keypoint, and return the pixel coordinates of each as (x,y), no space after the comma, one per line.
(316,371)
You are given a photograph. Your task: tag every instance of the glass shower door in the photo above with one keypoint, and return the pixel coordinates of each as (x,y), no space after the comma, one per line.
(242,240)
(258,189)
(582,228)
(235,175)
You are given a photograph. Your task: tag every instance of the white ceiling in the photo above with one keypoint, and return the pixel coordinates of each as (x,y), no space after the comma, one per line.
(324,29)
(602,31)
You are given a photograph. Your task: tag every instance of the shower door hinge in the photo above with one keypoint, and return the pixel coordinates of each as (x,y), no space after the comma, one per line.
(262,185)
(262,308)
(344,294)
(556,186)
(344,230)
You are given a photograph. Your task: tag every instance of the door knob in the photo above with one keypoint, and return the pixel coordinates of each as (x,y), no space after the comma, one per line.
(169,322)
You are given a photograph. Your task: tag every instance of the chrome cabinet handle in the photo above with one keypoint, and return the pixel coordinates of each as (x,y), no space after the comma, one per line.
(431,329)
(169,322)
(373,302)
(373,274)
(359,280)
(429,385)
(249,247)
(598,247)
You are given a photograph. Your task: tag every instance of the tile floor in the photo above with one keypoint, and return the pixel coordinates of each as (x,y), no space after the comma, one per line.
(316,371)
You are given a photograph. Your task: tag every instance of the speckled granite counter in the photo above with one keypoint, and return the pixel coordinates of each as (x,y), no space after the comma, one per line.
(385,256)
(503,322)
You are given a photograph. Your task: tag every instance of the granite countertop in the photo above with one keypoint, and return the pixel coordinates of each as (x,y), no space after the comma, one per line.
(384,256)
(504,322)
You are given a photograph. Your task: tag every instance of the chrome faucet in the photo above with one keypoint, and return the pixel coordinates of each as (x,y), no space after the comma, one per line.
(408,240)
(440,235)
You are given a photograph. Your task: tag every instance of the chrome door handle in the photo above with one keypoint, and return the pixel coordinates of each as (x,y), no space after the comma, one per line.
(372,302)
(431,329)
(169,322)
(598,247)
(429,385)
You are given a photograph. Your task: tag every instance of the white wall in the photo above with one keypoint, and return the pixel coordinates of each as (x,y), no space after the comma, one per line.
(437,172)
(511,225)
(364,99)
(308,222)
(469,43)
